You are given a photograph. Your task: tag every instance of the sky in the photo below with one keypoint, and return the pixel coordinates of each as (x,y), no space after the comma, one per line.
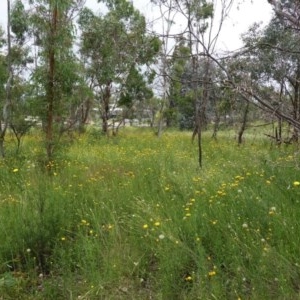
(242,15)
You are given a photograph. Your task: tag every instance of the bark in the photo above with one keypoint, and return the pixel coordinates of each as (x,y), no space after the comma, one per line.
(278,132)
(2,150)
(216,125)
(105,107)
(6,113)
(199,140)
(248,94)
(292,19)
(243,125)
(81,116)
(296,101)
(50,95)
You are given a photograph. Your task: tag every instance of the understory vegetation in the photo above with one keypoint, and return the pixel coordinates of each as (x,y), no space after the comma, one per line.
(133,217)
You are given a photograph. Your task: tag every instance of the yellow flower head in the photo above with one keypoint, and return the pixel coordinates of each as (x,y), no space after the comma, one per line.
(296,183)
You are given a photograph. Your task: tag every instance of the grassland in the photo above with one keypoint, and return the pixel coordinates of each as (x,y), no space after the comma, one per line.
(133,217)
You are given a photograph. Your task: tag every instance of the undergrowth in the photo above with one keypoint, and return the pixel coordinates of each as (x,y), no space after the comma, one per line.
(134,217)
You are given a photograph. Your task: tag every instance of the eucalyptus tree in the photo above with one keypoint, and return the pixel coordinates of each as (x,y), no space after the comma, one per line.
(57,73)
(272,62)
(6,104)
(114,47)
(15,60)
(20,60)
(3,70)
(271,66)
(3,81)
(287,11)
(182,89)
(201,29)
(282,41)
(167,33)
(204,26)
(179,112)
(135,93)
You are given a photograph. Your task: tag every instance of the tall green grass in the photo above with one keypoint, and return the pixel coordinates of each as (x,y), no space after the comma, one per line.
(133,217)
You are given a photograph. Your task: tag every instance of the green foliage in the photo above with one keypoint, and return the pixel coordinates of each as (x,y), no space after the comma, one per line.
(120,8)
(2,39)
(19,21)
(181,106)
(3,76)
(271,67)
(3,67)
(125,47)
(202,10)
(57,77)
(135,89)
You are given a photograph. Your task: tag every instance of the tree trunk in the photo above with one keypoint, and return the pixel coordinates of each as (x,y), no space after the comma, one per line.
(85,114)
(216,125)
(50,94)
(278,132)
(105,107)
(198,128)
(199,124)
(2,150)
(296,112)
(243,125)
(6,114)
(201,106)
(164,100)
